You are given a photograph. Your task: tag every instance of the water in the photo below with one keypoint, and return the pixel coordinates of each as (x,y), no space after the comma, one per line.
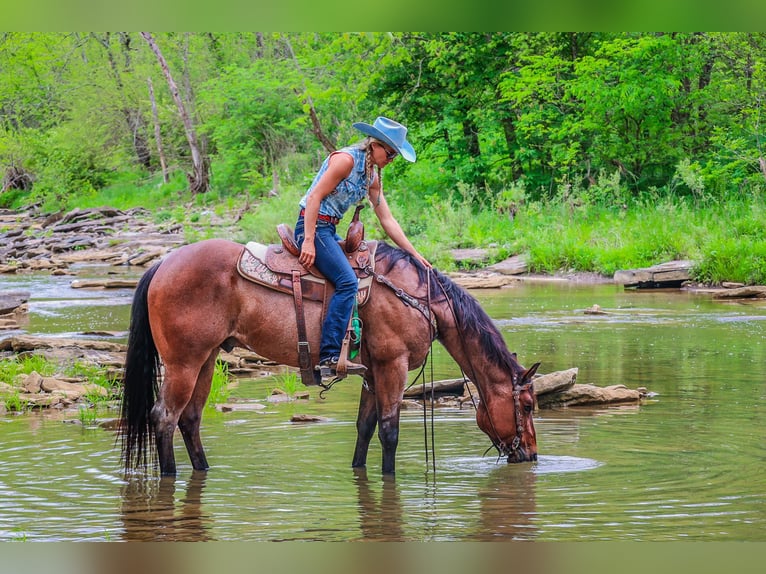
(687,464)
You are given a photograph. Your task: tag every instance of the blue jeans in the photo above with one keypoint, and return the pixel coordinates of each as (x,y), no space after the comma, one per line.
(333,264)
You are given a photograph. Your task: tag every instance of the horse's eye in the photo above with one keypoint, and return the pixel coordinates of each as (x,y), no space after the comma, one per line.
(528,409)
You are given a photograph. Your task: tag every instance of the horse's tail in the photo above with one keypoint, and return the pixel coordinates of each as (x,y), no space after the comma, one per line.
(140,383)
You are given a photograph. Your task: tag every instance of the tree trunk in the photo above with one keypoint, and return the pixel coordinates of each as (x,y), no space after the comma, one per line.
(157,135)
(316,125)
(199,179)
(131,113)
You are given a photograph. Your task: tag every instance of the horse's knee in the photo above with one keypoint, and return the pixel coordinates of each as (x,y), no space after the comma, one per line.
(163,422)
(389,434)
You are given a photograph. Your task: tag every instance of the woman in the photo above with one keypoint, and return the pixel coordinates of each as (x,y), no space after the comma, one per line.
(347,177)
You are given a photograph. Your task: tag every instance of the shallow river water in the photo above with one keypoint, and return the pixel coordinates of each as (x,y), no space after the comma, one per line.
(687,464)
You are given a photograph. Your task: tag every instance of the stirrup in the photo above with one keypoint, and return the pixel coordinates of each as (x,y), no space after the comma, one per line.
(329,370)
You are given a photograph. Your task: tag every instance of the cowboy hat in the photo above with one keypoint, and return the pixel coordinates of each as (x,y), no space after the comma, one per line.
(391,133)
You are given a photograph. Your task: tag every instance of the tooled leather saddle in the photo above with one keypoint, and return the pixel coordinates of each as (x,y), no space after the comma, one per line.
(277,267)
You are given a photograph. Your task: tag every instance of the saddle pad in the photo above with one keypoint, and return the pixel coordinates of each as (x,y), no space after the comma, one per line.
(253,268)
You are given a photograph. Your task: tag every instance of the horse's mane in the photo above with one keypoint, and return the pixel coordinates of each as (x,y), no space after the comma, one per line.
(470,318)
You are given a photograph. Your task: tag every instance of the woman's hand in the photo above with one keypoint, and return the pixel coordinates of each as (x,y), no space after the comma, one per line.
(426,263)
(308,253)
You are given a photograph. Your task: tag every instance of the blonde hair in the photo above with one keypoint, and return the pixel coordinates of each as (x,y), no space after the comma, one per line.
(369,165)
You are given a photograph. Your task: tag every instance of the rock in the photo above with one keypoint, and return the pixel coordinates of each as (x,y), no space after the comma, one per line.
(12,300)
(594,310)
(104,283)
(32,383)
(589,395)
(447,386)
(470,256)
(514,265)
(229,407)
(481,280)
(409,405)
(23,343)
(670,274)
(747,292)
(302,418)
(555,382)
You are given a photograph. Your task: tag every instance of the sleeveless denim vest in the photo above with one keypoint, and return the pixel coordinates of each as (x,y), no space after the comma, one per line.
(349,191)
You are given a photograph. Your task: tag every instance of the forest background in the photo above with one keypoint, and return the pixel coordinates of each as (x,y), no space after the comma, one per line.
(581,151)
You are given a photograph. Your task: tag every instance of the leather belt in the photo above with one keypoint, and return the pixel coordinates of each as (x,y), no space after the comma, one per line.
(323,217)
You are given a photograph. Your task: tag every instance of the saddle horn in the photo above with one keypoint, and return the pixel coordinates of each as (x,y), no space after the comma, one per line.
(355,233)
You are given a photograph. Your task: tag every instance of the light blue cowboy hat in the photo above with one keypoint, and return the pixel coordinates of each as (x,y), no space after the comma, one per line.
(391,133)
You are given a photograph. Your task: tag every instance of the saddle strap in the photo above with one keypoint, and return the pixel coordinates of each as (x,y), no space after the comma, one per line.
(341,368)
(304,352)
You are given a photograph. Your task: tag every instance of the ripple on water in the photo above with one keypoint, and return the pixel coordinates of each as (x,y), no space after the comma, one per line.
(545,464)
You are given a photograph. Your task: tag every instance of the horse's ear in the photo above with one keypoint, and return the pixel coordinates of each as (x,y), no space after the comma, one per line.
(529,373)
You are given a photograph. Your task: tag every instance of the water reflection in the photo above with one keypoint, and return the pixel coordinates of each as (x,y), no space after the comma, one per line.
(508,505)
(380,516)
(149,510)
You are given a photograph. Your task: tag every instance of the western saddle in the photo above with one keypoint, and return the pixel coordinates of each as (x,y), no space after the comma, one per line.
(277,267)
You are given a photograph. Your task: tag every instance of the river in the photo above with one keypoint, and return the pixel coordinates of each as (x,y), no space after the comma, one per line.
(687,464)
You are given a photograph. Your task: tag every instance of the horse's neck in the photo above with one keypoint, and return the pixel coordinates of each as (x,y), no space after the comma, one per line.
(468,353)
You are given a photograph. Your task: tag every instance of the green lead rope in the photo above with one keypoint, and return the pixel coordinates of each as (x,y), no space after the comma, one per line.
(356,333)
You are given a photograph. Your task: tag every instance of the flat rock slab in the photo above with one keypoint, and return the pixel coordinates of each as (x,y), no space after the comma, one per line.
(581,395)
(514,265)
(748,292)
(12,300)
(481,280)
(670,274)
(104,283)
(470,256)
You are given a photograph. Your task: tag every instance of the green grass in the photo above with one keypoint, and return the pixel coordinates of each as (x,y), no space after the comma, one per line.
(219,388)
(289,383)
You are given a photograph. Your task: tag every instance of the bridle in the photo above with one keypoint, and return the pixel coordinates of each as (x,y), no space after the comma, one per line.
(504,449)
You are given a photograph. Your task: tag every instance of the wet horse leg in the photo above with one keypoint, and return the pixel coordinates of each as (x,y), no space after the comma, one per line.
(176,391)
(191,417)
(366,421)
(388,398)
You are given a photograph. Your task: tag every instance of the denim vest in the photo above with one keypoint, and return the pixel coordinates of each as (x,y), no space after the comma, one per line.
(349,191)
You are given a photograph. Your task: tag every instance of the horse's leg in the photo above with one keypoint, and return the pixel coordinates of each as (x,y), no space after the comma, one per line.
(191,417)
(366,420)
(176,391)
(389,389)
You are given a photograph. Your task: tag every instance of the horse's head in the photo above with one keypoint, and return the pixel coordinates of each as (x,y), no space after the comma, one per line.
(506,417)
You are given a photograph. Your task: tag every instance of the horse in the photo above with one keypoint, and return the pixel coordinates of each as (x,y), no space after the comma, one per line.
(194,302)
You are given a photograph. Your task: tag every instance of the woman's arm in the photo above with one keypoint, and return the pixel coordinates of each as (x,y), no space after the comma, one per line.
(338,169)
(391,225)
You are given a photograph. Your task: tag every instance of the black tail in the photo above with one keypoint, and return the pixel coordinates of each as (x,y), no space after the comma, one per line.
(140,384)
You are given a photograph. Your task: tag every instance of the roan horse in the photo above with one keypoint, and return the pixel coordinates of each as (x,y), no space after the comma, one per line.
(194,302)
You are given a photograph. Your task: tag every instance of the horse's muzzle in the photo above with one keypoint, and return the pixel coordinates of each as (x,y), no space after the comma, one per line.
(520,455)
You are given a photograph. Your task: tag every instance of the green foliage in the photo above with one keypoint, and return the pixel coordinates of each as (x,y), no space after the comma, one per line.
(261,220)
(219,388)
(23,365)
(289,383)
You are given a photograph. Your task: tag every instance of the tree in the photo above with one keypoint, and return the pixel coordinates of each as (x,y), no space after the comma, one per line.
(199,179)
